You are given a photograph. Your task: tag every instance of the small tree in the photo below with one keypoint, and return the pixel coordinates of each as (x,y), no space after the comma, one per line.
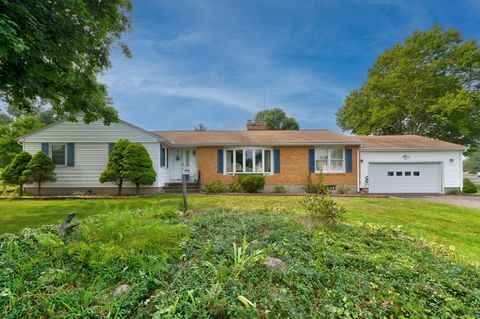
(114,171)
(137,166)
(12,174)
(39,170)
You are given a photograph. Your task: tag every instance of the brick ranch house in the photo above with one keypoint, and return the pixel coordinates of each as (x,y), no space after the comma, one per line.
(383,164)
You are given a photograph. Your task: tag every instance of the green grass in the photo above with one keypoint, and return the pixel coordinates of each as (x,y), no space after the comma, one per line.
(185,267)
(445,224)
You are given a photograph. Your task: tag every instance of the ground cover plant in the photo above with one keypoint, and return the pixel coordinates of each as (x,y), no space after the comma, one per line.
(213,264)
(453,226)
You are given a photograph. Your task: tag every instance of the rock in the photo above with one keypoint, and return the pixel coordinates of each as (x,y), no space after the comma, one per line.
(120,290)
(274,263)
(255,242)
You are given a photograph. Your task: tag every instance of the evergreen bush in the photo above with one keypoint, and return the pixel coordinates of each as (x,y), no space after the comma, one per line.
(252,183)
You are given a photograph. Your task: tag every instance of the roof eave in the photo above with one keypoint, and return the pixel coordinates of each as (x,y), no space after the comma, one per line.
(264,144)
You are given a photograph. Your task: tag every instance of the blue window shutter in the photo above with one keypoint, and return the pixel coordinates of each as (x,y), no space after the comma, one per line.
(110,147)
(70,154)
(348,160)
(311,160)
(45,148)
(276,161)
(220,161)
(162,156)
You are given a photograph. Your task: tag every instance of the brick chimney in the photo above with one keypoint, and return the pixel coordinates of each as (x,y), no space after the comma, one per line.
(256,126)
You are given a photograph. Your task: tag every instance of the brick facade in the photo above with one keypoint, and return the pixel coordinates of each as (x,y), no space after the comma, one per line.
(293,168)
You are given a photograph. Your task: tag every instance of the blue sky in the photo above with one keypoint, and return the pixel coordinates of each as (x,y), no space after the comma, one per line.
(219,62)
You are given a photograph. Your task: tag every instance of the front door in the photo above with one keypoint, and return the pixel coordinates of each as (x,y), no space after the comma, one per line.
(181,163)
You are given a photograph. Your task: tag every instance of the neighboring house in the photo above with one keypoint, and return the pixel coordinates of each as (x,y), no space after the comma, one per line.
(393,164)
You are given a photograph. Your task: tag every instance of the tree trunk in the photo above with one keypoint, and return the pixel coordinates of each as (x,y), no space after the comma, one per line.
(39,188)
(120,188)
(137,188)
(20,191)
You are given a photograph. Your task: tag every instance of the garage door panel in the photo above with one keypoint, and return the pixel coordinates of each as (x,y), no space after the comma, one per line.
(405,178)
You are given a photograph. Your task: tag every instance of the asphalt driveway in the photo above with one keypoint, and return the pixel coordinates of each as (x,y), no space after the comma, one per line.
(459,200)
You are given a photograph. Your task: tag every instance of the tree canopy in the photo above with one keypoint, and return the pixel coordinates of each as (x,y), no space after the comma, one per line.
(39,170)
(52,51)
(138,166)
(277,119)
(429,85)
(472,163)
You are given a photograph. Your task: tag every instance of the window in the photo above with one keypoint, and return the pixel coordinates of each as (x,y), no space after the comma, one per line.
(390,174)
(329,160)
(399,174)
(248,160)
(59,154)
(163,156)
(408,173)
(416,173)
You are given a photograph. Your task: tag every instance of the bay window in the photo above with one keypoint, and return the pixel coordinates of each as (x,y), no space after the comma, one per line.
(329,160)
(248,160)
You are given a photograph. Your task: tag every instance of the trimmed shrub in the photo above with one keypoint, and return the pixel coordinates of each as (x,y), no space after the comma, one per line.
(342,189)
(12,174)
(323,209)
(114,172)
(316,188)
(138,166)
(235,187)
(279,189)
(39,170)
(252,183)
(468,186)
(214,187)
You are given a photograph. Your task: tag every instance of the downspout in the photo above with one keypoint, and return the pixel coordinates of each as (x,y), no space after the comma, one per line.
(358,169)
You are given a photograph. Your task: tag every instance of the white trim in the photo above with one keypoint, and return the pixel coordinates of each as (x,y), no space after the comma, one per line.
(426,149)
(50,153)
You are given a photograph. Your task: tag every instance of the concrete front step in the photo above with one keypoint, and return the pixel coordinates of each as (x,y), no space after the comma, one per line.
(178,188)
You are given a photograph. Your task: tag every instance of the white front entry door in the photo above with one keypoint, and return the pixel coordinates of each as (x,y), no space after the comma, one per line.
(181,163)
(405,178)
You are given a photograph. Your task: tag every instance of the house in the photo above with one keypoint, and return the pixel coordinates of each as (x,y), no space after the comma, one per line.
(383,164)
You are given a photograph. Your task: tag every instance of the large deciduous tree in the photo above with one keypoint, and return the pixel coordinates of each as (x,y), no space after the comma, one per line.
(114,172)
(138,166)
(277,119)
(39,170)
(472,163)
(52,51)
(429,85)
(13,172)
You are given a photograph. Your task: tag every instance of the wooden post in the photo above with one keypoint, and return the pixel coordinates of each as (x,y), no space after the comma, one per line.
(184,188)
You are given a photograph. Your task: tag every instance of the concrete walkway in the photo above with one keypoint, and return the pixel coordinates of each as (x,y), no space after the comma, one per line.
(459,200)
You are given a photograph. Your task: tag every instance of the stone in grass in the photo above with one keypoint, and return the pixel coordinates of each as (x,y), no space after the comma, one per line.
(120,290)
(274,263)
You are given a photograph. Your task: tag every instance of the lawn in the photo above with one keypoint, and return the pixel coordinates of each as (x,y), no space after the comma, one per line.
(449,225)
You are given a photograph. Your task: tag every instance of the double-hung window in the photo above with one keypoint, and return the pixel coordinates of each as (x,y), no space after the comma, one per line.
(329,160)
(248,160)
(59,154)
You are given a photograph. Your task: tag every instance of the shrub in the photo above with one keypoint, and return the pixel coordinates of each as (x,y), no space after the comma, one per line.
(316,188)
(138,166)
(323,209)
(40,169)
(252,183)
(279,189)
(235,187)
(468,186)
(214,187)
(12,174)
(114,171)
(342,189)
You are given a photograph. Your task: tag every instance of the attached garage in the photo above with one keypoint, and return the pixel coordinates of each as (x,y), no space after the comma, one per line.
(410,164)
(405,177)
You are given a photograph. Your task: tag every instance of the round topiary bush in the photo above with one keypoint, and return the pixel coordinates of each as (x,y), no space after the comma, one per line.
(252,183)
(468,186)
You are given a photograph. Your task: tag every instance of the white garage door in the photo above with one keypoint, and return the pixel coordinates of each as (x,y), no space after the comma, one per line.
(405,178)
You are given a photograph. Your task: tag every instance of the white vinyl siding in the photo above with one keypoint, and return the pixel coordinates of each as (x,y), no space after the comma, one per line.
(91,151)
